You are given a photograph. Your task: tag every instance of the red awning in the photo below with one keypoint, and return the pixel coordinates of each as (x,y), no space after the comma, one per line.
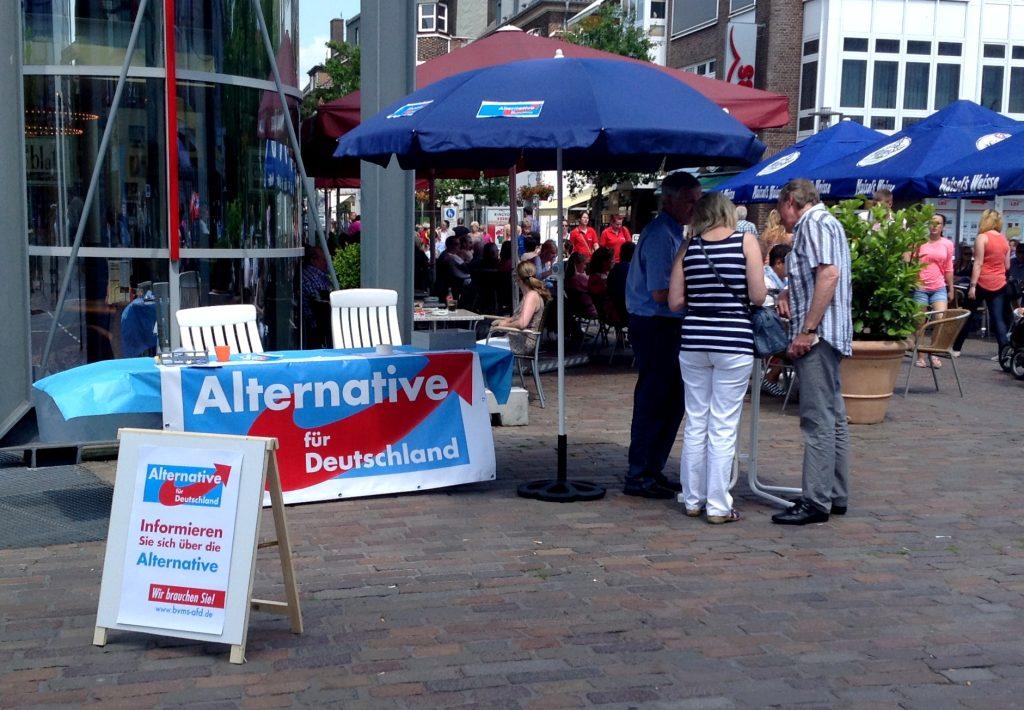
(754,108)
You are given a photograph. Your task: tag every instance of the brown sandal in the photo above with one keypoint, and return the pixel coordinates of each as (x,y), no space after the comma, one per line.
(732,517)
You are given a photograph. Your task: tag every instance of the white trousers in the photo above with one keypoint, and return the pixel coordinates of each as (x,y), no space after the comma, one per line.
(715,384)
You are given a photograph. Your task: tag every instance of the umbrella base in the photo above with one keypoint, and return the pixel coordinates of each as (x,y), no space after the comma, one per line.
(556,491)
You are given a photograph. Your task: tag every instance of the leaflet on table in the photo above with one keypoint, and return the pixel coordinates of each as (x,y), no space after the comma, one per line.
(178,555)
(346,425)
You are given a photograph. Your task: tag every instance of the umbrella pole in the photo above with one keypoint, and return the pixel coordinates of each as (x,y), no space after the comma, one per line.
(561,490)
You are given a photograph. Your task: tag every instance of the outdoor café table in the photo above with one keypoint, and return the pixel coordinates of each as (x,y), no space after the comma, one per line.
(433,317)
(416,419)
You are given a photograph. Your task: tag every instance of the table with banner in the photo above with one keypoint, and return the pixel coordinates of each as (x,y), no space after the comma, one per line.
(347,425)
(349,422)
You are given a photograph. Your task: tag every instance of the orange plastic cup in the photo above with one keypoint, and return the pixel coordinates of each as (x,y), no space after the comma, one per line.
(223,353)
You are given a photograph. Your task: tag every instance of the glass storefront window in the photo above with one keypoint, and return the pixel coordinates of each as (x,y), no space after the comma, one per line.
(272,285)
(64,121)
(112,309)
(237,177)
(90,32)
(947,85)
(992,87)
(222,37)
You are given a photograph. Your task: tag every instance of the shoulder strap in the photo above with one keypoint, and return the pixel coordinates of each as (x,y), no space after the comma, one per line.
(730,289)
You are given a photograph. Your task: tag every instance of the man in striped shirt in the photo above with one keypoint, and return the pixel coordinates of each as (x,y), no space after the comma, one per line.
(817,304)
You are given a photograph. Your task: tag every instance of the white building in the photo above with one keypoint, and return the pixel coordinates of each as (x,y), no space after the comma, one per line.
(890,63)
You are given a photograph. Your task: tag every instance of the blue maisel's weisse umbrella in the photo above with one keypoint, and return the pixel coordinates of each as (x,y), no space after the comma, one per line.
(997,170)
(762,182)
(555,114)
(902,161)
(602,114)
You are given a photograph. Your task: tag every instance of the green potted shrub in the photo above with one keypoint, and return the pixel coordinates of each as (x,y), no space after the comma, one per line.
(347,265)
(885,314)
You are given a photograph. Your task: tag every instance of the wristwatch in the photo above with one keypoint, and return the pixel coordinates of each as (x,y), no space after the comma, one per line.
(809,331)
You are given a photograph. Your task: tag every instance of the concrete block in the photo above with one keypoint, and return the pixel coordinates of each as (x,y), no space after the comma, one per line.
(515,412)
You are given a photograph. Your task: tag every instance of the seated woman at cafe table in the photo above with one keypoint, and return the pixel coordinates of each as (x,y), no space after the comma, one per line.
(530,314)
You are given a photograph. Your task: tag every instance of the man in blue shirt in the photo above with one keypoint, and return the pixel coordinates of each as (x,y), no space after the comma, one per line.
(654,333)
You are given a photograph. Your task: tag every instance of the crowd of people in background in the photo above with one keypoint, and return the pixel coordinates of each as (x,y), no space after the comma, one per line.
(686,305)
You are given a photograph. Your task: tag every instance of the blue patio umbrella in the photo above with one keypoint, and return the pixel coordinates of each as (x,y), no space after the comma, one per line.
(994,169)
(561,113)
(762,182)
(601,114)
(902,161)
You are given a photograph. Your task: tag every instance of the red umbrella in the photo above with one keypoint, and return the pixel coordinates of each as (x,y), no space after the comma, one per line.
(754,108)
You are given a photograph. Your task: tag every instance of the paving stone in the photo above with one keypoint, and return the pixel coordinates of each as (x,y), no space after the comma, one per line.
(473,596)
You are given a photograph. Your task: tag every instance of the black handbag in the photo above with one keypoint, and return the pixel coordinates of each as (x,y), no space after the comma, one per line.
(770,335)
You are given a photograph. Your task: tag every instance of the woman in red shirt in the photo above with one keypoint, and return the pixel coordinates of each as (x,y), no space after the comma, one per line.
(988,277)
(584,237)
(614,236)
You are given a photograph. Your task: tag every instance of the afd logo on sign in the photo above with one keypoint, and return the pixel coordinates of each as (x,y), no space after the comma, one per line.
(186,485)
(510,109)
(407,110)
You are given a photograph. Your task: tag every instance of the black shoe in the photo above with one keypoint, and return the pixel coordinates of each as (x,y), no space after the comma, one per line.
(803,513)
(838,509)
(648,488)
(665,482)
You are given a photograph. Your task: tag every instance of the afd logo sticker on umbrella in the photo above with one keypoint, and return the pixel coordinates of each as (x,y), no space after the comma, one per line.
(777,165)
(887,151)
(989,140)
(510,109)
(407,110)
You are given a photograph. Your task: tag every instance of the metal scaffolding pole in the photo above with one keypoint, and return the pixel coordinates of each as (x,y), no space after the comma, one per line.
(90,195)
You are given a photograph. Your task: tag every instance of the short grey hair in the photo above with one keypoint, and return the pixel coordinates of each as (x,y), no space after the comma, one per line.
(741,213)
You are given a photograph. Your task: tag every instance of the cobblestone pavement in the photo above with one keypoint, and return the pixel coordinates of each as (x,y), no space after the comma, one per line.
(476,596)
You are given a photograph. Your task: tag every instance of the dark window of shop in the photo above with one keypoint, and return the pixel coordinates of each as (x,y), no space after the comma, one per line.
(810,47)
(918,47)
(915,85)
(950,49)
(947,84)
(883,123)
(657,9)
(992,88)
(688,15)
(1016,99)
(855,44)
(854,82)
(994,51)
(887,46)
(883,86)
(809,86)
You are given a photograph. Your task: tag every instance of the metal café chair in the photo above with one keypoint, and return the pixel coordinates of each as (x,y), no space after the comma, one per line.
(936,337)
(364,318)
(235,326)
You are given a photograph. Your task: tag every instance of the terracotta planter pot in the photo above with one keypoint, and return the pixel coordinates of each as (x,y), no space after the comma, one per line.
(869,377)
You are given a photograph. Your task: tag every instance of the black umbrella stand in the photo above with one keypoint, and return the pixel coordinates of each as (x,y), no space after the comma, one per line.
(561,489)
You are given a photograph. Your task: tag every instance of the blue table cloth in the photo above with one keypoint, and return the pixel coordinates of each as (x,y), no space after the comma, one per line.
(132,385)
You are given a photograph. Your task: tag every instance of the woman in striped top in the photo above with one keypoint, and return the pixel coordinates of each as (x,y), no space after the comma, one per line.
(717,275)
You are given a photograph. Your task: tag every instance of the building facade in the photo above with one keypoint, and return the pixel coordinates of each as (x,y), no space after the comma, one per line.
(546,18)
(743,42)
(649,15)
(890,63)
(440,26)
(235,189)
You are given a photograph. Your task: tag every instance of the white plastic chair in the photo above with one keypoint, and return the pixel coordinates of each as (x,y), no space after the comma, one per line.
(364,318)
(235,326)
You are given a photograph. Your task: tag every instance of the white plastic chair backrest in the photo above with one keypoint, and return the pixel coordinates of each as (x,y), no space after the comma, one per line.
(364,318)
(235,326)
